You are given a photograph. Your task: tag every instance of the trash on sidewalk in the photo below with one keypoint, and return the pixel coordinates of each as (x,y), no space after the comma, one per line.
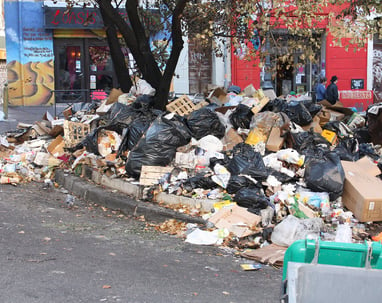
(278,169)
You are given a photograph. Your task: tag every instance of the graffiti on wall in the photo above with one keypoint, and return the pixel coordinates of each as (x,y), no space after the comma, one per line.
(29,55)
(377,73)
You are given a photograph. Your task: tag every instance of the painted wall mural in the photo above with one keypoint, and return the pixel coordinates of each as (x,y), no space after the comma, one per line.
(29,54)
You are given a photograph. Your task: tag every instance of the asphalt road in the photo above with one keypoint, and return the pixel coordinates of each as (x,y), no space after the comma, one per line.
(87,253)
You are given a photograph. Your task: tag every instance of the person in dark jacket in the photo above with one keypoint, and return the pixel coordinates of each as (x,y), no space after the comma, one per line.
(332,91)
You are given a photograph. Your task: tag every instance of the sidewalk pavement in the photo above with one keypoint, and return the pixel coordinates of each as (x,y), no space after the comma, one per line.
(23,114)
(113,193)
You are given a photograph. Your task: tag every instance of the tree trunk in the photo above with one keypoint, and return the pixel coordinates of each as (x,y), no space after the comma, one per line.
(139,46)
(116,54)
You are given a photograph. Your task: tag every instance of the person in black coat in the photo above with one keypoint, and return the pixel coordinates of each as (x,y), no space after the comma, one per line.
(331,94)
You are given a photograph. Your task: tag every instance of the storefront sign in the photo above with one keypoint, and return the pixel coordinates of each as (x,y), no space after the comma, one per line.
(61,17)
(359,99)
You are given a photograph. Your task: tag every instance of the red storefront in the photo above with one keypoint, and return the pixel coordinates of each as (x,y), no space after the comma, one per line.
(351,67)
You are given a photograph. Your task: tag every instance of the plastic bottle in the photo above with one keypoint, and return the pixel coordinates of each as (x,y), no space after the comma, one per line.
(344,233)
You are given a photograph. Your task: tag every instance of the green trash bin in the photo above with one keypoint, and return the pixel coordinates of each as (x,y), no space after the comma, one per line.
(324,271)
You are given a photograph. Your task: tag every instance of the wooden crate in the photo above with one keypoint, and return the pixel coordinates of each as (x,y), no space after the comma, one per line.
(75,132)
(184,106)
(151,174)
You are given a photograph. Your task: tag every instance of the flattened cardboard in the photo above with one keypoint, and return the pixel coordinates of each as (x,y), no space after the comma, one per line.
(236,219)
(259,106)
(362,190)
(271,254)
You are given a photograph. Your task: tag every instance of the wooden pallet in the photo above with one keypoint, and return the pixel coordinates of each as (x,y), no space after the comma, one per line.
(151,174)
(184,106)
(75,132)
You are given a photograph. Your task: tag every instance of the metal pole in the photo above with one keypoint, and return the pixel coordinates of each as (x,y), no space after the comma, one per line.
(5,101)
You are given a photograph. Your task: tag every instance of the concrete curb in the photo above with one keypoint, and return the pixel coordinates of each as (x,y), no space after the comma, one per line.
(127,201)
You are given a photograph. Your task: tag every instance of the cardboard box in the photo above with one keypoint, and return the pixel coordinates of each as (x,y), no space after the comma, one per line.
(275,141)
(362,190)
(315,125)
(56,147)
(335,115)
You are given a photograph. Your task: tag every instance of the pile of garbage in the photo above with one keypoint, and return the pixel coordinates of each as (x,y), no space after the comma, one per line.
(278,168)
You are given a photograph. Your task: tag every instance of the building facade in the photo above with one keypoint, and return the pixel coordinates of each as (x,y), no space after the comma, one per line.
(53,55)
(358,71)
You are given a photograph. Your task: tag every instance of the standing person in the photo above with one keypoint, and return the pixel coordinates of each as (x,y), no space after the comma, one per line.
(320,89)
(332,91)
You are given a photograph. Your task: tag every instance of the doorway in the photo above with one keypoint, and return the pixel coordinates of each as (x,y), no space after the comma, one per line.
(83,70)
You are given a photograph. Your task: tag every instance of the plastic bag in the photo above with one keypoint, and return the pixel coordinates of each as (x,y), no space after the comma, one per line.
(298,113)
(236,183)
(348,149)
(254,167)
(199,181)
(308,140)
(292,229)
(313,107)
(252,199)
(241,117)
(325,174)
(205,122)
(158,146)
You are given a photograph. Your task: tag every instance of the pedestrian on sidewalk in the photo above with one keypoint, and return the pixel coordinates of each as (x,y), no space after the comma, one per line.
(332,91)
(321,89)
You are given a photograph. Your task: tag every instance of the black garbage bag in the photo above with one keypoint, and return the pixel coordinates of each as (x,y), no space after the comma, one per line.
(236,183)
(141,108)
(245,150)
(348,149)
(368,149)
(275,105)
(325,174)
(252,166)
(224,162)
(252,199)
(241,117)
(308,140)
(199,181)
(362,135)
(203,122)
(158,145)
(132,134)
(298,113)
(312,107)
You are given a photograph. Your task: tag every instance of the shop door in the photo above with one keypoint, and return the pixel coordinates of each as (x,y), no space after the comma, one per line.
(83,70)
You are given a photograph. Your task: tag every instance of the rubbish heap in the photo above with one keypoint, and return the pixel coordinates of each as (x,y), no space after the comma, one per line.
(277,169)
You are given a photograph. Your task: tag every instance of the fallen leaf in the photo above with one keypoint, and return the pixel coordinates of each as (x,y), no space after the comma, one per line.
(226,293)
(112,254)
(22,232)
(106,286)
